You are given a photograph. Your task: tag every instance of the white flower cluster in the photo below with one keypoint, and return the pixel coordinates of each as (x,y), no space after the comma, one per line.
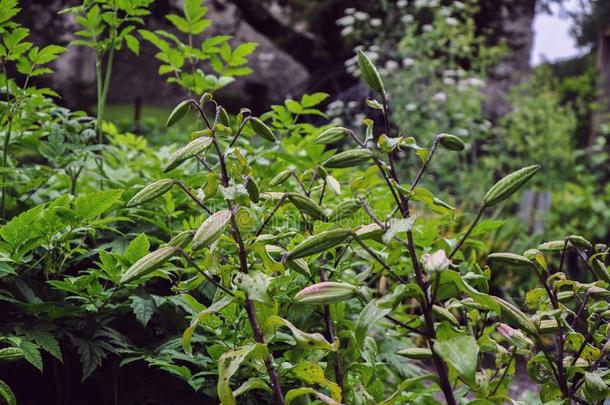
(353,17)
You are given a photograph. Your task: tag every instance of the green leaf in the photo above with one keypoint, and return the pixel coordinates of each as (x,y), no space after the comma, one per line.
(368,317)
(455,278)
(308,341)
(595,388)
(143,307)
(91,205)
(229,363)
(137,249)
(461,352)
(47,342)
(298,392)
(47,54)
(311,373)
(31,354)
(212,309)
(406,385)
(255,284)
(251,384)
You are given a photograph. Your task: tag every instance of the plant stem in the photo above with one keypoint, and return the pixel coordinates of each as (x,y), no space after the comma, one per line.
(512,357)
(424,166)
(457,247)
(243,265)
(330,336)
(403,204)
(193,197)
(379,260)
(204,273)
(270,215)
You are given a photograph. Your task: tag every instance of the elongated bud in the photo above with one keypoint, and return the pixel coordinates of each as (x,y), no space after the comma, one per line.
(331,135)
(152,191)
(599,269)
(307,205)
(178,113)
(333,184)
(437,261)
(416,353)
(370,231)
(328,292)
(509,185)
(548,326)
(509,259)
(280,177)
(552,246)
(192,149)
(515,337)
(182,239)
(370,74)
(580,242)
(252,189)
(348,158)
(261,129)
(344,210)
(451,142)
(319,243)
(444,314)
(211,229)
(148,263)
(515,317)
(9,354)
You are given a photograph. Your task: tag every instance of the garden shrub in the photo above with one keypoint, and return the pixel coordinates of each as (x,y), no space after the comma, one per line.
(270,260)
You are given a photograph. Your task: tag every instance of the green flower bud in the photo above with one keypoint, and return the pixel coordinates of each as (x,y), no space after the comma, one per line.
(148,263)
(509,185)
(152,191)
(328,292)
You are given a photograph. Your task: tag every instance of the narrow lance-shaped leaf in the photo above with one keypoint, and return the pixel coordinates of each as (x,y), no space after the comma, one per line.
(309,341)
(148,263)
(152,191)
(178,113)
(197,319)
(229,363)
(370,74)
(211,229)
(509,185)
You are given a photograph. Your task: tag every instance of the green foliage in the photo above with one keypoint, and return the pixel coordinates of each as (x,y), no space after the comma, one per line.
(270,259)
(182,61)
